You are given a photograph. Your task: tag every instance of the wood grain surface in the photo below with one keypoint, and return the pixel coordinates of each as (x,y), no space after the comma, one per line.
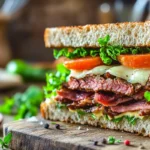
(33,136)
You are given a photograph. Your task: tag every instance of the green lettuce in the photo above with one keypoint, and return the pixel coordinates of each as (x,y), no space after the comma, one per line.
(108,53)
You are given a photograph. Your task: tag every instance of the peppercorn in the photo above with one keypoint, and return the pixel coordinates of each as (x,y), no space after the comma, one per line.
(127,142)
(46,126)
(96,143)
(104,141)
(57,126)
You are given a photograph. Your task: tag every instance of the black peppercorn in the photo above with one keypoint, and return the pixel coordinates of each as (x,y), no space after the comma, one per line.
(104,141)
(46,126)
(96,143)
(57,126)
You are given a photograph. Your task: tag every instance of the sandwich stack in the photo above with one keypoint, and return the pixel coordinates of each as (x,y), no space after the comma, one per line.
(105,78)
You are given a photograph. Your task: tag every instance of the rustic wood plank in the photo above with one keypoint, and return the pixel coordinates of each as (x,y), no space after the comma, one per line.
(33,136)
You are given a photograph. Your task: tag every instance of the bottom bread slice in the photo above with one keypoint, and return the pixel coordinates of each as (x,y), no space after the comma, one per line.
(50,111)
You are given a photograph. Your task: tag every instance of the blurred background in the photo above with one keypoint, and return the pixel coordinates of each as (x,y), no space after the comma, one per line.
(22,24)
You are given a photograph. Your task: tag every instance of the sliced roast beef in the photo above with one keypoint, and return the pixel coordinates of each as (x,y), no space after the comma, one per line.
(97,83)
(73,95)
(128,107)
(110,100)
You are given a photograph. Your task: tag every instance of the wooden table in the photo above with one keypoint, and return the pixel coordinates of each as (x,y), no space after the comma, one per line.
(33,136)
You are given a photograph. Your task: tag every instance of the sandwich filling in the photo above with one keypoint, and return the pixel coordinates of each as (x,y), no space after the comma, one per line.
(111,82)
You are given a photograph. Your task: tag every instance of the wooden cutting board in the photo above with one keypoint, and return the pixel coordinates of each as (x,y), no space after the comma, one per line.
(33,136)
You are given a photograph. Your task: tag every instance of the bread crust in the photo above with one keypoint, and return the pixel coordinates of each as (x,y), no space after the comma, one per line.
(128,34)
(49,111)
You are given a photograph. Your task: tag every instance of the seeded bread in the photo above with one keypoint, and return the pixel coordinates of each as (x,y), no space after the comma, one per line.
(49,111)
(129,34)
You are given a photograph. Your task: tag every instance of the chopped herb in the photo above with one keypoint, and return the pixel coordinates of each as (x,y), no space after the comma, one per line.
(55,80)
(61,106)
(93,116)
(117,120)
(113,140)
(4,143)
(147,96)
(132,120)
(53,123)
(81,112)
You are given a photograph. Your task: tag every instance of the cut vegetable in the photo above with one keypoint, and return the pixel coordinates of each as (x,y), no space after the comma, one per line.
(83,63)
(135,61)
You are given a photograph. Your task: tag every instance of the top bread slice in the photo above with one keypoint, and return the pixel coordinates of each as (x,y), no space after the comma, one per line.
(129,34)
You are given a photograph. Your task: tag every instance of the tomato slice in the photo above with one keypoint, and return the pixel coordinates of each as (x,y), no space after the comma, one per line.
(135,61)
(83,63)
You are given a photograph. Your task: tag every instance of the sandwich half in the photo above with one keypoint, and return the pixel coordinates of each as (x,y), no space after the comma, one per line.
(105,77)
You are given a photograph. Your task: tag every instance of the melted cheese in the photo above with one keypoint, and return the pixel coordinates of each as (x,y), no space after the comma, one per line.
(97,70)
(129,74)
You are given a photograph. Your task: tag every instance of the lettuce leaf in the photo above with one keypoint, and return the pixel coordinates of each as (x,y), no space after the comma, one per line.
(108,53)
(55,80)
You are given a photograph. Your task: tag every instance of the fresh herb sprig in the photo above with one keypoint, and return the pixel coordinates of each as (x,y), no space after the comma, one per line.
(147,96)
(4,143)
(113,140)
(23,105)
(55,80)
(108,53)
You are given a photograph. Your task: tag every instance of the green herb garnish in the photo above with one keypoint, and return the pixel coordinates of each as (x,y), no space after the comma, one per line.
(107,52)
(23,105)
(55,80)
(113,140)
(81,112)
(93,116)
(4,143)
(147,96)
(117,120)
(61,106)
(131,120)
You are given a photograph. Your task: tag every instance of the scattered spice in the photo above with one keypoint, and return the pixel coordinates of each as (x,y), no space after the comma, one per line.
(104,141)
(46,126)
(57,126)
(127,142)
(95,143)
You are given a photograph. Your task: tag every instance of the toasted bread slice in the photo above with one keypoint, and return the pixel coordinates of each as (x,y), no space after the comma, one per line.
(50,111)
(129,34)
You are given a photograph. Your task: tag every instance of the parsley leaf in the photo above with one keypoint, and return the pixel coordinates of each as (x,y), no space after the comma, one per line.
(147,96)
(113,140)
(4,143)
(23,105)
(55,80)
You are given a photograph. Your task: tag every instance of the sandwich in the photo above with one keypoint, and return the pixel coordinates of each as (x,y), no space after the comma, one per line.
(104,80)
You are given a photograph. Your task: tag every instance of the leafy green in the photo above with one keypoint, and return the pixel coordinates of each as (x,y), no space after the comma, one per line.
(23,105)
(113,140)
(27,71)
(131,120)
(147,96)
(93,116)
(61,106)
(107,52)
(81,112)
(4,143)
(117,120)
(78,52)
(55,80)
